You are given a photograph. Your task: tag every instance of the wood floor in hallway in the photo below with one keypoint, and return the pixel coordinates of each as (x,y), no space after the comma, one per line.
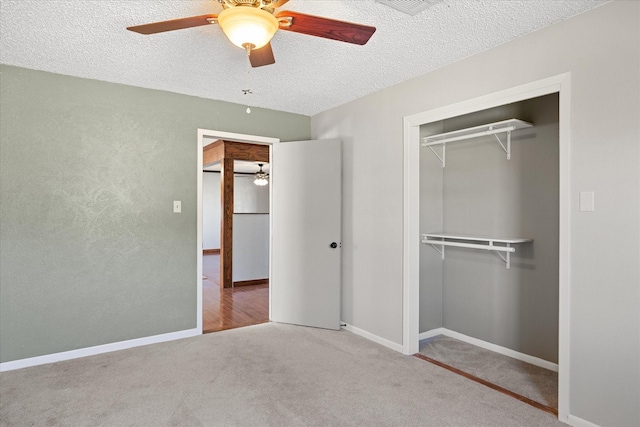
(232,307)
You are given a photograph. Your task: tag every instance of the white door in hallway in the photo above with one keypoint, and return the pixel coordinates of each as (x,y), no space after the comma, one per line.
(306,208)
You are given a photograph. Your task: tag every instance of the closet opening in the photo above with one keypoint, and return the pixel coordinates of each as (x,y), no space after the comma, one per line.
(486,240)
(489,273)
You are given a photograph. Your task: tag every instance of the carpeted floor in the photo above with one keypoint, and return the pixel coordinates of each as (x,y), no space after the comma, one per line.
(264,375)
(533,382)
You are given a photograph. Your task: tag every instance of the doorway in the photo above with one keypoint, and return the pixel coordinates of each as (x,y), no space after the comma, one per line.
(412,145)
(235,294)
(213,263)
(245,299)
(307,294)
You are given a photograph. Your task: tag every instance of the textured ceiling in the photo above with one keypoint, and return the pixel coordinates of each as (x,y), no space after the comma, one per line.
(87,38)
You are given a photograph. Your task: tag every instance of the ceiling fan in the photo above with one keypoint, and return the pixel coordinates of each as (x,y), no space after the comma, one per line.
(250,24)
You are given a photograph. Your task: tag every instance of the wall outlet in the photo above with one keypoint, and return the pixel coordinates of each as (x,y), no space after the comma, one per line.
(177,206)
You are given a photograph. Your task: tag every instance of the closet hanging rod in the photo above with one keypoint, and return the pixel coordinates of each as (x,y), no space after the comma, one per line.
(469,136)
(476,131)
(505,126)
(483,243)
(489,247)
(472,238)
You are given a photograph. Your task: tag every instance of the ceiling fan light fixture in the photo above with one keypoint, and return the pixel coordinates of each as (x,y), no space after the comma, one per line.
(261,178)
(248,27)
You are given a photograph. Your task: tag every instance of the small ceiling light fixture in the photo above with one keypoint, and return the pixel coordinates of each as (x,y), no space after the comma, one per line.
(248,27)
(262,178)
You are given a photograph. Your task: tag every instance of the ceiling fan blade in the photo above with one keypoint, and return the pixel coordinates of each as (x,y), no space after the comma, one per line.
(262,56)
(326,28)
(174,24)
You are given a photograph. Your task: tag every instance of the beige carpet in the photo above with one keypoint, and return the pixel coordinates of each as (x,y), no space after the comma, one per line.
(533,382)
(264,375)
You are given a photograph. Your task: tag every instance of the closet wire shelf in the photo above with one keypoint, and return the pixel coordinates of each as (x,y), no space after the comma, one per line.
(472,242)
(505,126)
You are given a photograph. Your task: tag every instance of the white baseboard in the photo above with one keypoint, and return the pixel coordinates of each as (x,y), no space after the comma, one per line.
(493,347)
(432,333)
(99,349)
(368,335)
(579,422)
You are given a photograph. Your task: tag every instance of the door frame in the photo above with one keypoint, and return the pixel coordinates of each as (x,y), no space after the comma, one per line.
(560,84)
(206,137)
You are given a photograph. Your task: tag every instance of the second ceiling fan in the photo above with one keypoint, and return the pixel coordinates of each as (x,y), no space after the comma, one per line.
(251,24)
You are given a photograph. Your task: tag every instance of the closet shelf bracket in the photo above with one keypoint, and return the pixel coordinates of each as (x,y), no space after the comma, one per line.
(505,126)
(506,149)
(482,243)
(444,151)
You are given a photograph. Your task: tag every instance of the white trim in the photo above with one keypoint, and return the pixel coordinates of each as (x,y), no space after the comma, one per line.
(411,238)
(564,254)
(579,422)
(375,338)
(199,179)
(270,231)
(493,347)
(411,248)
(206,137)
(431,333)
(98,349)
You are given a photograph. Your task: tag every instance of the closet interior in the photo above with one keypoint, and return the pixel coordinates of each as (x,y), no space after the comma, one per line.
(489,259)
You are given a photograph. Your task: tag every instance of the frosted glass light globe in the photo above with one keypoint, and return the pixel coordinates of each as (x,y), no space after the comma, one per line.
(248,27)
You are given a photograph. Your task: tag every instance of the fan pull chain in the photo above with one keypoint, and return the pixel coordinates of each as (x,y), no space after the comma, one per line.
(247,91)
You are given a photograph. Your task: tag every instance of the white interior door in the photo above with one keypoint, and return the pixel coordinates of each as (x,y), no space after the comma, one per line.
(306,190)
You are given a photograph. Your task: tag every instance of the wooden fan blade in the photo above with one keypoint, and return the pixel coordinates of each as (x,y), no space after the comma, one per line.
(174,24)
(326,28)
(261,57)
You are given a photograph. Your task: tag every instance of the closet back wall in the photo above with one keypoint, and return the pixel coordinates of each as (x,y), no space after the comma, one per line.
(480,192)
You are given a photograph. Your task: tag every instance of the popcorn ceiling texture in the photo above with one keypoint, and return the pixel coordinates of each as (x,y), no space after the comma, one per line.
(87,38)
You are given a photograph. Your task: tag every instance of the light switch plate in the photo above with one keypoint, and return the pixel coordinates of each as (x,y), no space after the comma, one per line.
(587,201)
(177,206)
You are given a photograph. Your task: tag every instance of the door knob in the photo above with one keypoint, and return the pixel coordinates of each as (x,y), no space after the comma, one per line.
(333,245)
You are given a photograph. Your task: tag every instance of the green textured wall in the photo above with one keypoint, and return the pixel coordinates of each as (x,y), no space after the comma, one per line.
(91,252)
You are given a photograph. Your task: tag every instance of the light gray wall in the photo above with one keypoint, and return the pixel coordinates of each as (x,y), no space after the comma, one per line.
(248,197)
(601,50)
(250,247)
(210,210)
(250,229)
(482,193)
(91,252)
(250,224)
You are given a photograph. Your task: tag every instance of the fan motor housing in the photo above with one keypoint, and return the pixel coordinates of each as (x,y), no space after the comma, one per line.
(251,3)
